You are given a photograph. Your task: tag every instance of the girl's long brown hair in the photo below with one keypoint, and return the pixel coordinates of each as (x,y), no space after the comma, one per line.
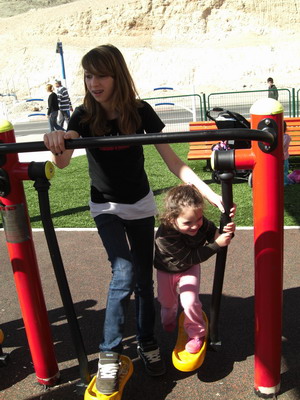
(107,60)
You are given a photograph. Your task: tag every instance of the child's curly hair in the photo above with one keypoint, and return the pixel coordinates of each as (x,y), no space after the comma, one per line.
(178,198)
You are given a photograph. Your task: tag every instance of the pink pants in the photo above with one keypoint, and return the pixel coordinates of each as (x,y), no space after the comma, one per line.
(187,283)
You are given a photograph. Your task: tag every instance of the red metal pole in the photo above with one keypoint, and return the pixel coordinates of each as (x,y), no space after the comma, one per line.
(24,263)
(268,240)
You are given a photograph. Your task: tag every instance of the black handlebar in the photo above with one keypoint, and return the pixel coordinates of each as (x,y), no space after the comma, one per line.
(149,138)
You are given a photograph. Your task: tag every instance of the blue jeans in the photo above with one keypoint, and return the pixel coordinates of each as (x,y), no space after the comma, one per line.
(63,116)
(53,125)
(287,180)
(129,245)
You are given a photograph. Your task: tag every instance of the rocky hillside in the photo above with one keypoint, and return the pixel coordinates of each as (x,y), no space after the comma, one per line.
(191,45)
(9,8)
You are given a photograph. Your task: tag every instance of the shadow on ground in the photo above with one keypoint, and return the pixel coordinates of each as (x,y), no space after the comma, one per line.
(236,327)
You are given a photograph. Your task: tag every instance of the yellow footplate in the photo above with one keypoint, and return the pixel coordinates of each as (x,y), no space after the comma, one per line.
(126,370)
(182,360)
(1,336)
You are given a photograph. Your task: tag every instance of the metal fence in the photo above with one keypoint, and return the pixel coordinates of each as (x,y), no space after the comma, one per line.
(177,111)
(242,101)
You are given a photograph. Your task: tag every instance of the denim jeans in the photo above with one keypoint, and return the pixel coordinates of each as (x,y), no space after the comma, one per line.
(129,246)
(53,125)
(63,116)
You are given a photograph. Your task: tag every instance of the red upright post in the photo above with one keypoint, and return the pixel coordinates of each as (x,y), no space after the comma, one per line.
(23,259)
(268,241)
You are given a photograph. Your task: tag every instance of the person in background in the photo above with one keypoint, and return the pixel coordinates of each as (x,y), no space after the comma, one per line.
(122,203)
(286,143)
(64,103)
(184,239)
(272,89)
(52,109)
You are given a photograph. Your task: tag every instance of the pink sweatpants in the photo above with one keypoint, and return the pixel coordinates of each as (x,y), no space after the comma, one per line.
(187,284)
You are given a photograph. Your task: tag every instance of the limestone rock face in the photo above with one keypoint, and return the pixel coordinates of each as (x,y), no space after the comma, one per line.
(190,45)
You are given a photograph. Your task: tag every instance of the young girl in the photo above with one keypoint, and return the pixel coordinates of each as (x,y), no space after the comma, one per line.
(184,239)
(122,203)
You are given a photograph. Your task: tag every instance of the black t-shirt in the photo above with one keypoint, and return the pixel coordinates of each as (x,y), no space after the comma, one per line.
(117,173)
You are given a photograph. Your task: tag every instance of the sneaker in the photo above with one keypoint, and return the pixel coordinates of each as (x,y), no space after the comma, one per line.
(107,381)
(150,355)
(194,345)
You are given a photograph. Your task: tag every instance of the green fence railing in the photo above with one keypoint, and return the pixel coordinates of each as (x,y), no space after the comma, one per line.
(242,101)
(177,111)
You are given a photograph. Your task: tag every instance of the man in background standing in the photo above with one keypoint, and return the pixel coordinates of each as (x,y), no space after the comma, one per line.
(272,90)
(64,103)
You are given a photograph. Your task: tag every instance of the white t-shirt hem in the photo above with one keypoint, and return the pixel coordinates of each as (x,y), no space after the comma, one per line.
(143,208)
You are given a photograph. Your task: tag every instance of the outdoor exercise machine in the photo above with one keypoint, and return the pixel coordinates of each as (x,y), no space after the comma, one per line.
(21,250)
(266,161)
(23,260)
(264,158)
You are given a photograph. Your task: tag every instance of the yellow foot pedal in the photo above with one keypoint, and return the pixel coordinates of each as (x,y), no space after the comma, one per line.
(126,370)
(1,336)
(182,360)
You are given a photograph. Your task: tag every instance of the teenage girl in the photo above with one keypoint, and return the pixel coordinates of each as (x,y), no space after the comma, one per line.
(122,203)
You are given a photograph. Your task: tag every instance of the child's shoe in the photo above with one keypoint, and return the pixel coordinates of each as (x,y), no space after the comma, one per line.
(194,345)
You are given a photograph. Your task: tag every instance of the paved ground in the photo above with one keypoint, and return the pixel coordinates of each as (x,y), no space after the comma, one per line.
(227,374)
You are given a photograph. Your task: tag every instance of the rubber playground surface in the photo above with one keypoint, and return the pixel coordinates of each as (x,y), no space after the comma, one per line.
(226,374)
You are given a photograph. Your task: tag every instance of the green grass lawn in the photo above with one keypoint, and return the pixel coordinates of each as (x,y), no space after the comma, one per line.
(69,192)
